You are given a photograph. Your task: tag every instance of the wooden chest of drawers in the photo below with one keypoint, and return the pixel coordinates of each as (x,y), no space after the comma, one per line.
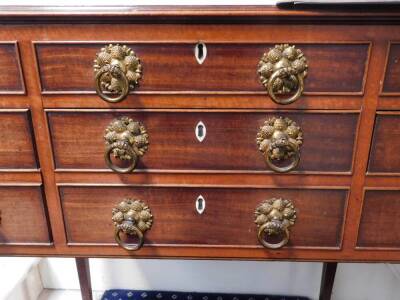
(197,115)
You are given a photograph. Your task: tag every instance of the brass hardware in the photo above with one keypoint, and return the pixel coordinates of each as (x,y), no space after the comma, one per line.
(117,69)
(280,139)
(132,217)
(282,71)
(126,139)
(273,218)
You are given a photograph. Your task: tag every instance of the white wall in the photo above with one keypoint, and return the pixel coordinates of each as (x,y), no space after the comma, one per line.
(189,275)
(353,281)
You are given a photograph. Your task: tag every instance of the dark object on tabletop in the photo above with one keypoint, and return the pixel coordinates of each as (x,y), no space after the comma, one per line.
(336,3)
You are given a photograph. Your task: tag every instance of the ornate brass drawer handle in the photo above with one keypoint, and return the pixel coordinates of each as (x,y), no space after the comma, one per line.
(132,217)
(117,69)
(274,217)
(280,139)
(282,71)
(127,140)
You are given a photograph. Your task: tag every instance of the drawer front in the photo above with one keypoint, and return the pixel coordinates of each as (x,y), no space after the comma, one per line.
(229,144)
(392,72)
(229,67)
(22,216)
(380,225)
(228,218)
(11,78)
(384,156)
(17,151)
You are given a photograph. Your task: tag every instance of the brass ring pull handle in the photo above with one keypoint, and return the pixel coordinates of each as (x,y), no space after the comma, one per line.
(277,75)
(274,217)
(133,230)
(293,153)
(131,217)
(126,140)
(117,69)
(280,139)
(117,74)
(282,71)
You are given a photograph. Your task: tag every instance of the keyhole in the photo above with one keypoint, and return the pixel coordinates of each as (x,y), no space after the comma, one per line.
(200,204)
(200,52)
(200,131)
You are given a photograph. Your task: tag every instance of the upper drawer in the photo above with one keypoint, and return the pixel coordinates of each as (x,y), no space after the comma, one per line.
(23,217)
(391,83)
(229,142)
(228,67)
(11,78)
(17,150)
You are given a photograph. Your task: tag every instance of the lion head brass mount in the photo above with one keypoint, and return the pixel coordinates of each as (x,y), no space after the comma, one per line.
(132,217)
(117,69)
(273,218)
(282,71)
(280,139)
(127,140)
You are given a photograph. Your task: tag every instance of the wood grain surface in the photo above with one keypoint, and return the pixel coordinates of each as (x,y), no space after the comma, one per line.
(380,226)
(23,216)
(230,142)
(17,150)
(229,67)
(11,77)
(384,157)
(353,73)
(228,218)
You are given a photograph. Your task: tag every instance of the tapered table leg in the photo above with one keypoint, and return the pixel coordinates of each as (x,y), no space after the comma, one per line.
(327,280)
(82,265)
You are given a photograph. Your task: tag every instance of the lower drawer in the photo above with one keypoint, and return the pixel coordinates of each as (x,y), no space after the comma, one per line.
(380,221)
(23,216)
(227,219)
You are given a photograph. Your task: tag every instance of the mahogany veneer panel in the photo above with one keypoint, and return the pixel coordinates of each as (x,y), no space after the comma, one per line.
(17,149)
(230,143)
(228,218)
(228,67)
(380,221)
(391,84)
(384,157)
(23,216)
(11,78)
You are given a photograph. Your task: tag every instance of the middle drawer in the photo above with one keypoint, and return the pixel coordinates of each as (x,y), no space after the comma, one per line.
(228,142)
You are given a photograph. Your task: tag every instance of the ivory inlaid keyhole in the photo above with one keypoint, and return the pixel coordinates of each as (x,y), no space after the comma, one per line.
(200,52)
(200,204)
(200,131)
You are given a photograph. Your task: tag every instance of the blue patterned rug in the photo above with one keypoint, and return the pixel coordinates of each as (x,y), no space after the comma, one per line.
(157,295)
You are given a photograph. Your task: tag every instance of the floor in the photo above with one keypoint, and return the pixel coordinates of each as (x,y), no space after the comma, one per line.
(65,295)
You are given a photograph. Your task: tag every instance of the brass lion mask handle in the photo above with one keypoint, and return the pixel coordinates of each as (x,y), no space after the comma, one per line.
(132,217)
(274,217)
(117,70)
(282,71)
(279,139)
(126,140)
